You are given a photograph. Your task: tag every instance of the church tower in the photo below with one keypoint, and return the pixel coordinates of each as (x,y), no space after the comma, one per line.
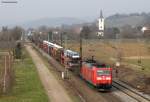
(101,25)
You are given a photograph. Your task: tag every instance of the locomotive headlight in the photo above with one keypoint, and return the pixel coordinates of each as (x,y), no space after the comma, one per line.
(108,78)
(99,78)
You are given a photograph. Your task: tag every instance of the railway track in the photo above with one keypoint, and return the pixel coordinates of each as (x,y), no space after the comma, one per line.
(75,83)
(81,90)
(139,97)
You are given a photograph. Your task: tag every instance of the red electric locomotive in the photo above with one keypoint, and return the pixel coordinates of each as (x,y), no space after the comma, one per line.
(97,74)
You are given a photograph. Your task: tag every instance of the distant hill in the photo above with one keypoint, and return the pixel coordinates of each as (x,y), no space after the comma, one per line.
(53,22)
(119,20)
(116,20)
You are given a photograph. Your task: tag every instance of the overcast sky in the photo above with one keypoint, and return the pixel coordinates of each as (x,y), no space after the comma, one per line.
(35,9)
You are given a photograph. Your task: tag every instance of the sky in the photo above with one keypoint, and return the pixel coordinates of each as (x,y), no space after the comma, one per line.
(27,10)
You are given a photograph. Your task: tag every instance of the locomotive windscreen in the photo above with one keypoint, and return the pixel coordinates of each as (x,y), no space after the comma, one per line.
(103,72)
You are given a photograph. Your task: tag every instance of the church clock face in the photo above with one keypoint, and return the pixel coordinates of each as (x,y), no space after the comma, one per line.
(101,23)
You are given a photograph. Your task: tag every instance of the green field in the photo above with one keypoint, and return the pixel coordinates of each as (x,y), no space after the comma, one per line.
(106,51)
(145,63)
(27,87)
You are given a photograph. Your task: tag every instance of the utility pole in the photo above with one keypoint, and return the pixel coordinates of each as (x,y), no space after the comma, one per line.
(52,36)
(61,38)
(80,49)
(66,59)
(66,41)
(49,35)
(139,52)
(23,37)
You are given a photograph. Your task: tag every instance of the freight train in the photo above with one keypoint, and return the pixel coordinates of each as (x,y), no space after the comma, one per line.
(99,75)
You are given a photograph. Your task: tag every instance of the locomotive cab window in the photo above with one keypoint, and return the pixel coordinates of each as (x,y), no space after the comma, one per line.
(101,66)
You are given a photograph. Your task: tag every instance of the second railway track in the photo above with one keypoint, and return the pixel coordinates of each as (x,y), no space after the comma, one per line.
(131,92)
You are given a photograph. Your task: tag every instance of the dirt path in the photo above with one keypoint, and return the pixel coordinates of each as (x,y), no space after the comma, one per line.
(55,91)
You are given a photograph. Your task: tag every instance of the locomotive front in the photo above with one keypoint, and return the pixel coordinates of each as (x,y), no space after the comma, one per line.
(103,78)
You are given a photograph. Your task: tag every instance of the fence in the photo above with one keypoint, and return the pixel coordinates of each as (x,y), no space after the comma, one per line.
(6,72)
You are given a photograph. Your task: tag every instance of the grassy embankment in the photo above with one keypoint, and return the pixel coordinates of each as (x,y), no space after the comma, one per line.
(27,87)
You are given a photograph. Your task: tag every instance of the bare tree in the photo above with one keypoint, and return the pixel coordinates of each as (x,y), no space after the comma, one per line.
(85,32)
(129,32)
(16,33)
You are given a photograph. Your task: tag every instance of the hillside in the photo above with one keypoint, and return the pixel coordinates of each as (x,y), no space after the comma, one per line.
(119,20)
(116,20)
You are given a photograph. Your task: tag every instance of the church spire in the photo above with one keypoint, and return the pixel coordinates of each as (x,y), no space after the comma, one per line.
(101,14)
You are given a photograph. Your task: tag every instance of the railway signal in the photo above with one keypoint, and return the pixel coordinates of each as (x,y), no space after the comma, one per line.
(117,66)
